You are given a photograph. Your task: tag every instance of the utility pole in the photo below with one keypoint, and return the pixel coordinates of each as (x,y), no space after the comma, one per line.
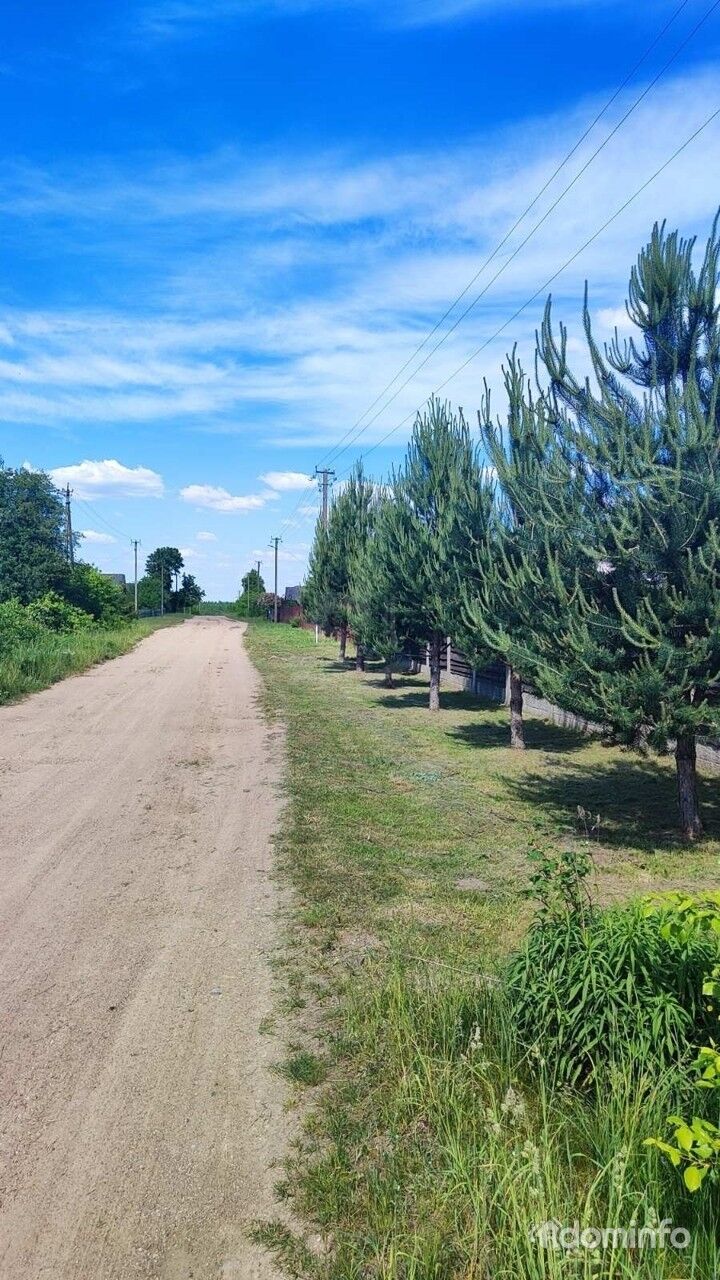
(135,547)
(68,528)
(324,474)
(274,543)
(259,562)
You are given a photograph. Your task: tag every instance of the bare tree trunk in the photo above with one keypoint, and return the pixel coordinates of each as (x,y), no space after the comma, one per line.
(517,729)
(685,762)
(435,649)
(359,658)
(343,641)
(389,682)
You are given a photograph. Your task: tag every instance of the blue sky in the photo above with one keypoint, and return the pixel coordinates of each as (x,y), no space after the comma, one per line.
(227,224)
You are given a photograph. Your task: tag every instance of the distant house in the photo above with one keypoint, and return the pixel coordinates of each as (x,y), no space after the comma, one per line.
(117,577)
(293,594)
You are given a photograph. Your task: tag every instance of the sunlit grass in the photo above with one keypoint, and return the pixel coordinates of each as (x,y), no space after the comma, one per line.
(406,839)
(43,662)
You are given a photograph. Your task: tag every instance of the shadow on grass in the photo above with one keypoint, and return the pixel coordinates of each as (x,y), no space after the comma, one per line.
(636,800)
(336,664)
(540,735)
(417,696)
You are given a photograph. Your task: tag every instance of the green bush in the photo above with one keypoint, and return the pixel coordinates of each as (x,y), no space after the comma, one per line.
(56,614)
(613,985)
(17,627)
(95,593)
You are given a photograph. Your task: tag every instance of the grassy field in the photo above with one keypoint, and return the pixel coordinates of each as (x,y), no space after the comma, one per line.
(60,654)
(425,1155)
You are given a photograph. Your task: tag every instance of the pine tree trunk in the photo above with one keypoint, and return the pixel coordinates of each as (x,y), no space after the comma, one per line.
(517,729)
(435,649)
(685,761)
(343,642)
(359,658)
(389,682)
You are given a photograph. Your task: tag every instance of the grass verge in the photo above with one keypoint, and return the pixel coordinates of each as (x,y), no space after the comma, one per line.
(427,1153)
(60,654)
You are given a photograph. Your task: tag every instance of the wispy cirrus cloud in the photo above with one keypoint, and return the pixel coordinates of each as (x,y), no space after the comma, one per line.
(165,19)
(279,298)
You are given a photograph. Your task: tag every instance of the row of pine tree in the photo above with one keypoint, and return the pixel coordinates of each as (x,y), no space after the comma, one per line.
(578,540)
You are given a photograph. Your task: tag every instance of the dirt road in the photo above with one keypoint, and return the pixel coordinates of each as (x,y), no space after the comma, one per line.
(139,1118)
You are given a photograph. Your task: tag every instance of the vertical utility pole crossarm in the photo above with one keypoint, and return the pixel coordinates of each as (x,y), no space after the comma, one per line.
(324,474)
(274,543)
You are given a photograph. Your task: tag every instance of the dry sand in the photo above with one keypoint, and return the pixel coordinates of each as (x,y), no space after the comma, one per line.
(140,1120)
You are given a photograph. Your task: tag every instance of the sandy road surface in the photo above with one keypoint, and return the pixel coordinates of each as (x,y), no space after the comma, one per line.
(138,1117)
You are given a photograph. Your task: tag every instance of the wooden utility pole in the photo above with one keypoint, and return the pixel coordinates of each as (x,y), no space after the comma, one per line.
(274,543)
(68,528)
(259,562)
(324,473)
(135,547)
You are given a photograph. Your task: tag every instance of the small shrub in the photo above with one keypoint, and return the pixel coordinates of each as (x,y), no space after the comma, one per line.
(609,985)
(17,627)
(56,614)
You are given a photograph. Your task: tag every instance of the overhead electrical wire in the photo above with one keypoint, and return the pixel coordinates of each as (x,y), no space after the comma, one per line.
(545,286)
(518,222)
(336,452)
(83,502)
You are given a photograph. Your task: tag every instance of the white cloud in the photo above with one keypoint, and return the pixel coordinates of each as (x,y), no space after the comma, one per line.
(287,481)
(285,555)
(109,479)
(214,498)
(358,256)
(92,535)
(205,536)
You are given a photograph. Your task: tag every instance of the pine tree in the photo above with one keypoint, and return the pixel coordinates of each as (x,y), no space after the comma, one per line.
(374,613)
(327,595)
(320,600)
(636,588)
(423,544)
(493,614)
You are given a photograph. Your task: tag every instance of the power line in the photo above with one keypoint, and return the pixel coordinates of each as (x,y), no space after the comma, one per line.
(304,498)
(519,220)
(336,451)
(551,279)
(96,514)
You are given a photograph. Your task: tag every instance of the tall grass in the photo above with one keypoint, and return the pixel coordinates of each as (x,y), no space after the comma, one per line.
(439,1151)
(39,663)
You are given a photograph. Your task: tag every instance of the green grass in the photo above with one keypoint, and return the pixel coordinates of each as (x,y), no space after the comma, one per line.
(405,840)
(60,654)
